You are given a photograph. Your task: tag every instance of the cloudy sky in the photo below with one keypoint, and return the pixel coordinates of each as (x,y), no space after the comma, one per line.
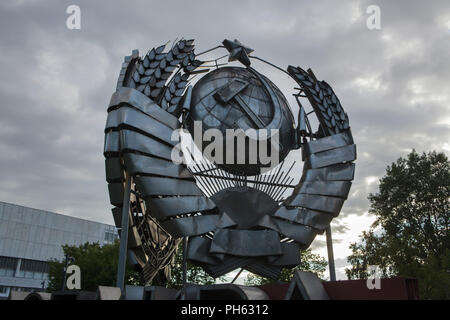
(55,85)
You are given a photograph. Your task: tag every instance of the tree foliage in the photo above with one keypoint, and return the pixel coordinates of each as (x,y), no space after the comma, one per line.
(98,265)
(410,236)
(308,262)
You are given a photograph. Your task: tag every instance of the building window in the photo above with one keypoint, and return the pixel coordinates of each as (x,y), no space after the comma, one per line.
(33,269)
(24,289)
(8,266)
(110,236)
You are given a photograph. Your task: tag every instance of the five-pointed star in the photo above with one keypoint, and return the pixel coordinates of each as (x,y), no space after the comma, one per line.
(237,51)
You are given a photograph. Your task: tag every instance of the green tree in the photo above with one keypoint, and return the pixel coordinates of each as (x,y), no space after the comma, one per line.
(308,262)
(410,236)
(98,265)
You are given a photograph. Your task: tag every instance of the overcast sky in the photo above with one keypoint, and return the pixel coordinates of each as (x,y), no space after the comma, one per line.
(55,85)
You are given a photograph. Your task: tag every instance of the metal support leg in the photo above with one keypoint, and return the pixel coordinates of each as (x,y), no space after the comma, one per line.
(124,235)
(237,275)
(184,267)
(63,284)
(330,254)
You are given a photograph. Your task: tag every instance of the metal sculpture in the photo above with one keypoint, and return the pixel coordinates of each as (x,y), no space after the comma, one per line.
(225,98)
(232,216)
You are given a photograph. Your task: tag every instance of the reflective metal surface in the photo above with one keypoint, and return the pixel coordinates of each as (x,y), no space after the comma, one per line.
(239,98)
(234,217)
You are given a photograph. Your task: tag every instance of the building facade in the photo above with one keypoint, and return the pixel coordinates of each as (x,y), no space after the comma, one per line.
(30,237)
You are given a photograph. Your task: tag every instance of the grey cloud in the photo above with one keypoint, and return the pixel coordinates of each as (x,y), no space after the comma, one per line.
(56,83)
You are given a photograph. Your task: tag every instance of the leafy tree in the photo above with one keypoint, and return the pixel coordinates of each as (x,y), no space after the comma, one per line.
(308,262)
(410,236)
(98,265)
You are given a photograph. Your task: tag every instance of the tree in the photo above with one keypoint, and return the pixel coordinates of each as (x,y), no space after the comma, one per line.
(308,262)
(410,236)
(98,265)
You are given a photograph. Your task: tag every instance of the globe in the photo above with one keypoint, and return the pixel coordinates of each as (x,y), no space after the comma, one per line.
(241,98)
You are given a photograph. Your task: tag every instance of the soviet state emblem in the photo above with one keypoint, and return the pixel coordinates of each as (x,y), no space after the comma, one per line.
(238,197)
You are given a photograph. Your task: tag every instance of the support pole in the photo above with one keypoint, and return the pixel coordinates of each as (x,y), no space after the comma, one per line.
(237,275)
(330,254)
(124,234)
(63,285)
(184,267)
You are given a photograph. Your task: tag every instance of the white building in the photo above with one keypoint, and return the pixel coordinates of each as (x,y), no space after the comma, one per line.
(30,237)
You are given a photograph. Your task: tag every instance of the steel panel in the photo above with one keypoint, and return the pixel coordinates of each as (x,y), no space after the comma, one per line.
(229,264)
(225,221)
(244,205)
(130,117)
(264,269)
(289,258)
(163,208)
(117,215)
(328,143)
(331,157)
(316,202)
(316,219)
(140,164)
(113,169)
(266,222)
(112,142)
(337,172)
(198,250)
(327,188)
(155,186)
(246,243)
(300,233)
(139,100)
(131,140)
(190,226)
(306,286)
(116,191)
